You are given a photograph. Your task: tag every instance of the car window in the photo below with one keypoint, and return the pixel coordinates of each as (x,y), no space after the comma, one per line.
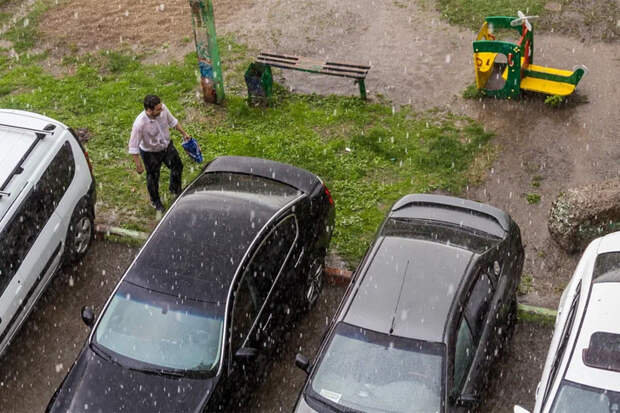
(258,278)
(56,179)
(24,227)
(269,258)
(463,355)
(566,331)
(374,372)
(244,312)
(479,303)
(162,330)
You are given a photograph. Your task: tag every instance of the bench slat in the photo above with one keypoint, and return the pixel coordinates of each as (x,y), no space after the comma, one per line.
(304,63)
(348,70)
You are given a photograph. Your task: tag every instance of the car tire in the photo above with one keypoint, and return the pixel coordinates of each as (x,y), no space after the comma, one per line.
(314,281)
(80,233)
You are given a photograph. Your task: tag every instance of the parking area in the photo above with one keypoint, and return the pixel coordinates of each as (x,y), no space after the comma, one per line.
(40,355)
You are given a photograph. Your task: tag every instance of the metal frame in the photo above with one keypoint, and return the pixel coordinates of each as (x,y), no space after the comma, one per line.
(39,134)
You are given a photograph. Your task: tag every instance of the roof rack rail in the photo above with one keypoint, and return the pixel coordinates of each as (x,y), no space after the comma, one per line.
(48,130)
(40,134)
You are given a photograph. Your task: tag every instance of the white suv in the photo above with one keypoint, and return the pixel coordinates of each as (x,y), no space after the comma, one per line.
(47,199)
(582,371)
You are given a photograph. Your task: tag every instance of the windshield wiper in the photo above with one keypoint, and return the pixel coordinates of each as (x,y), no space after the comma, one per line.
(102,353)
(158,372)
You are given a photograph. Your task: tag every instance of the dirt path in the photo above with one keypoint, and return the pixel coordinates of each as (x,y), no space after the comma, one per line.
(416,59)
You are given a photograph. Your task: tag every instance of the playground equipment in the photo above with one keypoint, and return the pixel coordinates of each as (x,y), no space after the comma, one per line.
(504,68)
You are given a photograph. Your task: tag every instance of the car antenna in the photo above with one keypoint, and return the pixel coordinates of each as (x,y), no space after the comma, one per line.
(402,284)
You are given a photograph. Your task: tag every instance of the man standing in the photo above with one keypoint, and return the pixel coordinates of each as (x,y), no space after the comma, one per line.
(150,138)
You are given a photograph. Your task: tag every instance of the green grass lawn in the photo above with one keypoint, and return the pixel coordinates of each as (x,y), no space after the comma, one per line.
(369,154)
(471,13)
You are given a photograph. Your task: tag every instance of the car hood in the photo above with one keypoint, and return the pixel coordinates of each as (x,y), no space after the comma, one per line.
(98,385)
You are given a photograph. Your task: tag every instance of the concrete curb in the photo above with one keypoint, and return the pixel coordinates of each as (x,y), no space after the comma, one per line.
(335,276)
(104,230)
(533,313)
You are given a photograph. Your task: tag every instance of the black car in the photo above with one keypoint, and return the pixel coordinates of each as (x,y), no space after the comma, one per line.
(191,325)
(428,310)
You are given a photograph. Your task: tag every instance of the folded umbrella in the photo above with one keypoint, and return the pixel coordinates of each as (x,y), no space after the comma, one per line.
(193,149)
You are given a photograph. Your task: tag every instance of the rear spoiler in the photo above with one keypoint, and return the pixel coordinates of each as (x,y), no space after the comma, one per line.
(464,205)
(281,172)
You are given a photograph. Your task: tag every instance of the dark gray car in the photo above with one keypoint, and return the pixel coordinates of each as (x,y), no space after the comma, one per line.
(426,314)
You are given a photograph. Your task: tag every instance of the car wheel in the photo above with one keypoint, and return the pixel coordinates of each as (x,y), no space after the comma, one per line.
(314,282)
(80,233)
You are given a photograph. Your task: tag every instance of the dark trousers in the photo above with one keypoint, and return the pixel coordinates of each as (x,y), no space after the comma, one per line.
(152,164)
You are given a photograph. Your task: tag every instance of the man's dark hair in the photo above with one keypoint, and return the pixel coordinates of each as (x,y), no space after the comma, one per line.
(150,101)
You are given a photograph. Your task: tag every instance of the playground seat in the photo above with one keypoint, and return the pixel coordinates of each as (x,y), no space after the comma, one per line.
(304,64)
(549,87)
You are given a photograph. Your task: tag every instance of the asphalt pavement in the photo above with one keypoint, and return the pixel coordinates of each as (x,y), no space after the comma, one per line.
(48,343)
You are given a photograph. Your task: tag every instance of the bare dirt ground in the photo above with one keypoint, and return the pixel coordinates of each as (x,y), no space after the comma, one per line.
(416,59)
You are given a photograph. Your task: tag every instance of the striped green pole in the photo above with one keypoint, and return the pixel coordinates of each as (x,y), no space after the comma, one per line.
(209,62)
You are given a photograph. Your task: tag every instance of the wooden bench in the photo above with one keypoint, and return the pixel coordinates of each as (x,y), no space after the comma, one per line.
(304,64)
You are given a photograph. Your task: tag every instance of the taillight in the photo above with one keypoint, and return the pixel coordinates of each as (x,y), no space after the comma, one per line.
(329,195)
(90,165)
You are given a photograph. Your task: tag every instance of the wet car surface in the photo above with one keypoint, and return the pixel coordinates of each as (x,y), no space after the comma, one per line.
(41,354)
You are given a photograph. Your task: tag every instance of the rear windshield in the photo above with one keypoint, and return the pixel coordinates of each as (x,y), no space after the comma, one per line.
(441,232)
(373,372)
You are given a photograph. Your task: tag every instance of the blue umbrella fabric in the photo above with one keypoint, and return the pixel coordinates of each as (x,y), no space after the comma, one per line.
(192,149)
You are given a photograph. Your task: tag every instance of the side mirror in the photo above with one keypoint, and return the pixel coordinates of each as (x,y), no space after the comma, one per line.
(519,409)
(302,362)
(246,353)
(88,316)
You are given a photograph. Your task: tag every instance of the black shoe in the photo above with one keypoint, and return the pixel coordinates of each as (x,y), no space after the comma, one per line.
(158,206)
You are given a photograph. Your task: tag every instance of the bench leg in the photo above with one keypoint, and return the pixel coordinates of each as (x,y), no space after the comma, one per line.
(362,88)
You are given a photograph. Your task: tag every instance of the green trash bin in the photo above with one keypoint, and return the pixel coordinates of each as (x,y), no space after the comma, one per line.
(259,82)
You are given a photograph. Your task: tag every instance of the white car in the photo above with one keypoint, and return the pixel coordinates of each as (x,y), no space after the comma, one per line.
(47,199)
(582,370)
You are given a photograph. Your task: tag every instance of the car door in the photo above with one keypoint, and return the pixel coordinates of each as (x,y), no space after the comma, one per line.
(471,352)
(277,264)
(32,242)
(254,306)
(462,356)
(479,312)
(245,309)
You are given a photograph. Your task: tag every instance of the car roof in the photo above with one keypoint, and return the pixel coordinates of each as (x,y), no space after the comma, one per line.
(18,135)
(407,288)
(296,177)
(601,316)
(198,247)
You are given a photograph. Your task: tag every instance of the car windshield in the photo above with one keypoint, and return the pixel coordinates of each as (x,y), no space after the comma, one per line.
(373,372)
(161,331)
(577,398)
